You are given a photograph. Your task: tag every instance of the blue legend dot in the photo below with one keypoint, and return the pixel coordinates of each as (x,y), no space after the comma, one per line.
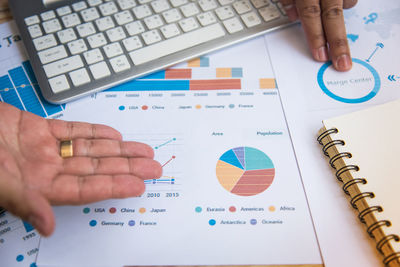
(253,221)
(121,108)
(212,222)
(20,258)
(198,209)
(33,265)
(93,223)
(131,223)
(231,106)
(86,210)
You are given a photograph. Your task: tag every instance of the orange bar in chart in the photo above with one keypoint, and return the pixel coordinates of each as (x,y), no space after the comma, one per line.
(219,84)
(224,72)
(194,63)
(267,83)
(178,74)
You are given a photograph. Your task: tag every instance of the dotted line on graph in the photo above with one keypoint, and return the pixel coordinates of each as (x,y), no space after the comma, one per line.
(22,86)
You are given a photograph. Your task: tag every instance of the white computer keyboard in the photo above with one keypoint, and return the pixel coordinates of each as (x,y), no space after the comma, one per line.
(77,48)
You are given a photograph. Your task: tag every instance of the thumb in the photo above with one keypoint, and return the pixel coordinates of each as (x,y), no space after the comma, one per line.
(27,204)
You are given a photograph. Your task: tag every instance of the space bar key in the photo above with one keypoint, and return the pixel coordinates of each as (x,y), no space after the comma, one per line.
(176,44)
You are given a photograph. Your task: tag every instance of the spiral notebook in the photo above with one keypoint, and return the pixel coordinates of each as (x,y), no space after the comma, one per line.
(364,149)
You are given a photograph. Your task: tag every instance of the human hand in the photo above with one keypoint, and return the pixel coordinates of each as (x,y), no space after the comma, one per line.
(34,176)
(324,27)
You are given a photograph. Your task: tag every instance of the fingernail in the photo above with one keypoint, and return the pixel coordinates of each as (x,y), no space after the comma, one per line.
(343,63)
(321,54)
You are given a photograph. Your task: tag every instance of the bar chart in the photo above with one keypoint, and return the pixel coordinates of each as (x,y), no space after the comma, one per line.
(20,89)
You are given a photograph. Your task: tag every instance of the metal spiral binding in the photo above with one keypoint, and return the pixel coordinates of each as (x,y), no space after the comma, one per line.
(353,182)
(325,134)
(368,210)
(376,225)
(345,169)
(361,215)
(360,196)
(386,239)
(391,257)
(331,144)
(339,156)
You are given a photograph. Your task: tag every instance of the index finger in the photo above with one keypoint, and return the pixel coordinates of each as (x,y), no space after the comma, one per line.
(335,32)
(64,130)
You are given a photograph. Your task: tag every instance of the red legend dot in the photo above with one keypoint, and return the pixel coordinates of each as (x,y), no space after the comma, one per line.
(145,107)
(113,210)
(232,209)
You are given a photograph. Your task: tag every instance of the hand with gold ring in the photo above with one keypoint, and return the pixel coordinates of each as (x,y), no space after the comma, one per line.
(97,165)
(323,24)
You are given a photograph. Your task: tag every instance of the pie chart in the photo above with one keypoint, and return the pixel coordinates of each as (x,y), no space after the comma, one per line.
(245,171)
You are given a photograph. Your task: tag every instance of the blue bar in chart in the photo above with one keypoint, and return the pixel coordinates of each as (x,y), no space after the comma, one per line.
(153,85)
(8,94)
(28,227)
(26,91)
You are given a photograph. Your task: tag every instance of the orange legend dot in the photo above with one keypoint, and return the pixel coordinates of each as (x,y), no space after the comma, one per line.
(271,208)
(142,210)
(198,106)
(144,107)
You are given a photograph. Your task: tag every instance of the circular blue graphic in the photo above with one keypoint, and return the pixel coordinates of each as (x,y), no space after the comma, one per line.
(370,95)
(198,209)
(131,223)
(212,222)
(93,223)
(253,221)
(20,258)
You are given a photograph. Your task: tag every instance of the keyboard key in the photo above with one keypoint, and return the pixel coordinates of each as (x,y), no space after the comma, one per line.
(225,12)
(151,37)
(116,34)
(160,5)
(86,29)
(251,19)
(90,14)
(66,36)
(172,15)
(79,6)
(120,63)
(100,70)
(142,11)
(105,23)
(32,20)
(125,4)
(242,6)
(132,43)
(65,10)
(71,20)
(108,8)
(51,26)
(97,40)
(77,46)
(113,50)
(176,3)
(44,42)
(59,84)
(35,31)
(233,25)
(153,22)
(134,28)
(52,54)
(123,17)
(269,13)
(225,2)
(62,66)
(260,3)
(190,9)
(79,77)
(188,24)
(206,18)
(93,56)
(94,2)
(207,5)
(170,30)
(48,15)
(176,44)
